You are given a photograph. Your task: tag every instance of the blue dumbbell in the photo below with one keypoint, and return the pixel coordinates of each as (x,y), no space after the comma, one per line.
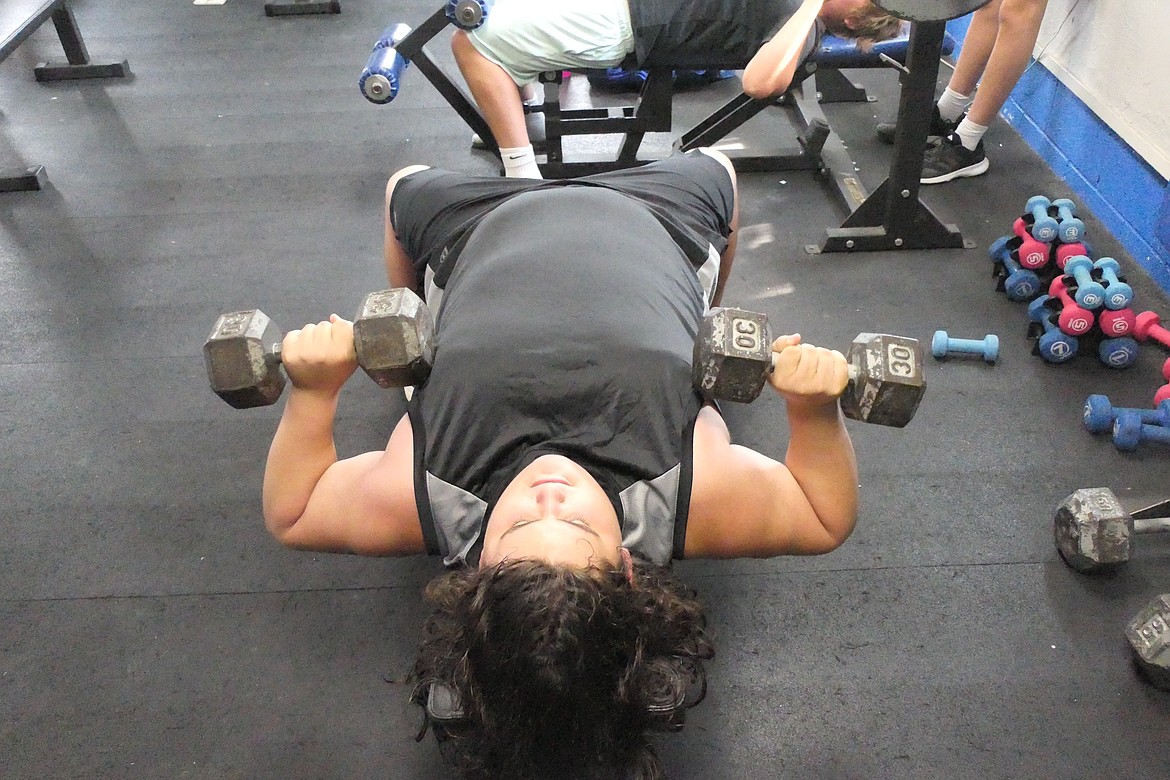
(943,346)
(382,75)
(1044,226)
(1129,431)
(1118,294)
(1090,293)
(1121,352)
(468,14)
(1099,414)
(1069,228)
(1021,283)
(1054,345)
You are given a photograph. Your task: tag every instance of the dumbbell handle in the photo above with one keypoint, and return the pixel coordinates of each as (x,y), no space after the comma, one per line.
(1152,525)
(1150,327)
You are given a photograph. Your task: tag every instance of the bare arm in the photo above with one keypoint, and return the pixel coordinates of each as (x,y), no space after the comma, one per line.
(770,71)
(314,501)
(745,504)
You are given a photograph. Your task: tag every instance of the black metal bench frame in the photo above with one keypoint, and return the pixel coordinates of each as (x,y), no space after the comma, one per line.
(892,217)
(78,67)
(301,7)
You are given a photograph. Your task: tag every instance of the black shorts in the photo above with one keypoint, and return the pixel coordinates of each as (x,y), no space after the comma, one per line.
(433,211)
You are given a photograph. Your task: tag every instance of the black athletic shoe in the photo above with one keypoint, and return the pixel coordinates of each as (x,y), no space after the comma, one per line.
(951,160)
(939,127)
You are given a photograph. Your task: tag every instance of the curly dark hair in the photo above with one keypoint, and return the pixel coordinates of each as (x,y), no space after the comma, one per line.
(561,672)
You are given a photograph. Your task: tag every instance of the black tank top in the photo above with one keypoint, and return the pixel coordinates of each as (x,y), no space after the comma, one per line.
(583,350)
(706,33)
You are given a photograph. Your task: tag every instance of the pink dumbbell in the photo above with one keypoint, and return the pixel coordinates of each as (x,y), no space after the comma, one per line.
(1117,322)
(1073,319)
(1031,253)
(1148,325)
(1163,393)
(1064,251)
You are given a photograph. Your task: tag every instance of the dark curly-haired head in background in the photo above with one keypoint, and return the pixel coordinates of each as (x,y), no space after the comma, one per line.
(560,672)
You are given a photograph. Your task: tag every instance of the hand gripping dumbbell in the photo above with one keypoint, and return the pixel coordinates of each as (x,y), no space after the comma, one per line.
(1019,283)
(1118,294)
(1041,224)
(393,336)
(380,79)
(1094,533)
(1129,431)
(1089,292)
(943,346)
(1054,345)
(1099,414)
(1030,252)
(1148,633)
(1072,318)
(1068,227)
(733,358)
(468,14)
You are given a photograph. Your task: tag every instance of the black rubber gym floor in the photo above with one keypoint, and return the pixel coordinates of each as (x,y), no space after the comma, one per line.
(150,628)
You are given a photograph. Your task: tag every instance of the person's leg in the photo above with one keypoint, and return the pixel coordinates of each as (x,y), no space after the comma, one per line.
(977,46)
(1019,25)
(399,267)
(498,99)
(727,256)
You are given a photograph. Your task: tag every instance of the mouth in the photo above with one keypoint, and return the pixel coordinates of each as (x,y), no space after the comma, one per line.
(551,481)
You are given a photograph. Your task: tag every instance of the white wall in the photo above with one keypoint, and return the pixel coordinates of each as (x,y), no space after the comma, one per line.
(1115,56)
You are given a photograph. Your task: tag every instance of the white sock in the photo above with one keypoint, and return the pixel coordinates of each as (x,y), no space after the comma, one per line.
(970,133)
(951,105)
(520,163)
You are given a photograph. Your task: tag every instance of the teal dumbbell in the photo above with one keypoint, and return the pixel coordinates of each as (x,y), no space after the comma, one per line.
(1044,226)
(1069,228)
(943,346)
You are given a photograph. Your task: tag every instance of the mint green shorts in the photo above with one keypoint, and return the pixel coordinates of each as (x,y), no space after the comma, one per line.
(528,37)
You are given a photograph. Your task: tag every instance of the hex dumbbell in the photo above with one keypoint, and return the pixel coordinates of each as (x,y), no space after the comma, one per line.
(1148,633)
(1041,224)
(1089,292)
(1068,227)
(393,336)
(1099,413)
(733,358)
(1054,345)
(1118,294)
(943,346)
(1130,432)
(1094,533)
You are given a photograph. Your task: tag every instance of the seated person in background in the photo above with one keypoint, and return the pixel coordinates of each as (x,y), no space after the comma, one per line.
(997,49)
(558,457)
(523,38)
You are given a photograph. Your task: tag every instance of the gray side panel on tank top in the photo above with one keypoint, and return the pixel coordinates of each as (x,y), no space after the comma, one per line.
(649,508)
(458,519)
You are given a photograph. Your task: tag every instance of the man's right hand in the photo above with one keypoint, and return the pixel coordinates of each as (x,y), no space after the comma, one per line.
(807,377)
(321,357)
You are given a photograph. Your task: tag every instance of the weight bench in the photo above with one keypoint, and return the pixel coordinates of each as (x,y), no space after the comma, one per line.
(18,20)
(301,7)
(904,221)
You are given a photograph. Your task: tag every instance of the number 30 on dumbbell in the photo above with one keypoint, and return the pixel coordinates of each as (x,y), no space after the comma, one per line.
(393,335)
(733,357)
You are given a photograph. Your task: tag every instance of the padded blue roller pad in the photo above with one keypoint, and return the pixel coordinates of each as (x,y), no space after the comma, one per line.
(837,52)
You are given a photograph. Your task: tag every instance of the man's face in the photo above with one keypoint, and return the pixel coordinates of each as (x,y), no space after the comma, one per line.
(556,512)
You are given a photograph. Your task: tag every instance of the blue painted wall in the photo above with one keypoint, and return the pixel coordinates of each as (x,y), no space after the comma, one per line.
(1129,197)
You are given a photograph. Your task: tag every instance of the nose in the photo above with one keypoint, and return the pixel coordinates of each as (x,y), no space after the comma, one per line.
(549,498)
